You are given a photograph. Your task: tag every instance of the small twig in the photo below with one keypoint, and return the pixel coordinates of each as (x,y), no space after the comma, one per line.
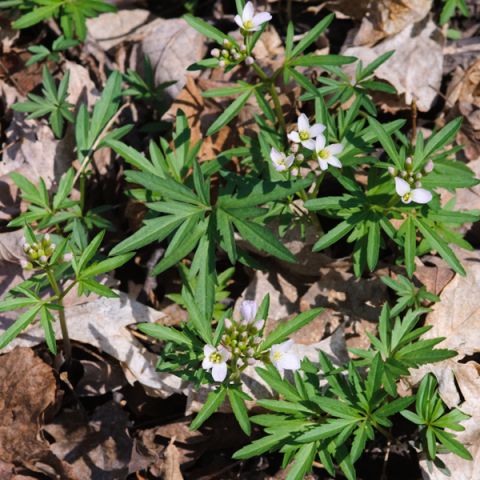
(414,121)
(385,461)
(90,153)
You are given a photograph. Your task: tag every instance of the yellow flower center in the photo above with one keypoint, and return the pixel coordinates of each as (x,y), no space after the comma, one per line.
(248,25)
(323,154)
(304,136)
(277,356)
(215,357)
(406,197)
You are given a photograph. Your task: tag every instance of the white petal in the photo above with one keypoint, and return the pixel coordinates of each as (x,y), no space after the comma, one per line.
(225,354)
(285,346)
(303,123)
(294,137)
(208,350)
(289,160)
(320,143)
(334,162)
(420,195)
(310,144)
(261,18)
(207,364)
(275,155)
(289,361)
(279,167)
(401,186)
(259,324)
(323,164)
(248,12)
(238,21)
(219,372)
(335,148)
(248,310)
(317,129)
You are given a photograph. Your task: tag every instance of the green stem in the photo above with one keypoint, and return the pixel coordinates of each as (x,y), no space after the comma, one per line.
(312,215)
(67,346)
(278,108)
(82,192)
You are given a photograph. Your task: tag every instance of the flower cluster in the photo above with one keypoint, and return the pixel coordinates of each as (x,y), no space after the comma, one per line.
(408,185)
(240,347)
(312,138)
(230,53)
(38,253)
(250,22)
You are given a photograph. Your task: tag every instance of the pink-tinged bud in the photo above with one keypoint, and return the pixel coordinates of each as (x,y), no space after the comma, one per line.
(409,161)
(429,166)
(52,246)
(225,53)
(418,176)
(226,42)
(257,340)
(392,171)
(250,352)
(251,361)
(239,362)
(295,171)
(243,48)
(403,173)
(259,324)
(67,257)
(221,63)
(215,52)
(228,323)
(300,157)
(236,56)
(43,259)
(249,61)
(46,237)
(26,247)
(24,263)
(294,147)
(418,184)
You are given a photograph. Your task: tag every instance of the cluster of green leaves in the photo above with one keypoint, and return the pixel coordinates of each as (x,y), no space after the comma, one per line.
(41,53)
(182,353)
(182,209)
(294,57)
(332,416)
(71,14)
(34,294)
(367,212)
(449,8)
(53,103)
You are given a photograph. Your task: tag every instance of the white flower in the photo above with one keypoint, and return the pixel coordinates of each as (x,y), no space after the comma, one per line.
(249,22)
(418,195)
(280,161)
(326,154)
(216,361)
(283,358)
(248,310)
(306,133)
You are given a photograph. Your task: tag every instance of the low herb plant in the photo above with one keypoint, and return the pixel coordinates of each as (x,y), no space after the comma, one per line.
(388,202)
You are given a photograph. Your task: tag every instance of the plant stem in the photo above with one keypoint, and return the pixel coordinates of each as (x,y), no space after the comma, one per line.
(67,346)
(82,192)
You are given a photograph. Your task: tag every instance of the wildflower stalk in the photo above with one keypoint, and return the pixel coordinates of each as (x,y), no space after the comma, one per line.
(67,346)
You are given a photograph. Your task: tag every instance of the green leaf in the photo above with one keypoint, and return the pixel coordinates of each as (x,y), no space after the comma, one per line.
(325,431)
(386,142)
(239,409)
(107,265)
(373,245)
(167,334)
(206,29)
(313,60)
(313,34)
(333,235)
(260,446)
(90,251)
(284,330)
(211,405)
(230,112)
(303,462)
(442,137)
(410,245)
(46,319)
(440,245)
(263,239)
(21,323)
(448,440)
(37,15)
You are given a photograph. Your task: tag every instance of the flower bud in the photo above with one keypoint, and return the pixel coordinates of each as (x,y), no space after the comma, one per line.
(228,323)
(418,176)
(251,361)
(392,171)
(249,61)
(243,48)
(294,147)
(221,63)
(46,237)
(418,184)
(26,247)
(295,171)
(227,43)
(300,157)
(409,161)
(43,259)
(259,324)
(67,257)
(429,166)
(215,52)
(403,173)
(236,55)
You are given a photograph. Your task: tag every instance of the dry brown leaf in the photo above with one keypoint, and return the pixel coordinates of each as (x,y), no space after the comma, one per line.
(103,323)
(171,464)
(96,448)
(415,69)
(24,401)
(457,318)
